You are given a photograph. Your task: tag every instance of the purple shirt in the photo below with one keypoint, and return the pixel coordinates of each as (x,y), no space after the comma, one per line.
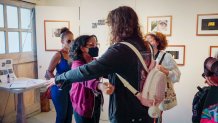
(82,94)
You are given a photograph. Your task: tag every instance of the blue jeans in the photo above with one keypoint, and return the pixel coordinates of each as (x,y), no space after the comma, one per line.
(62,103)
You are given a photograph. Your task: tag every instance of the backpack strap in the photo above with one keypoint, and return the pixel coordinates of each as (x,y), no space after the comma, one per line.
(139,54)
(127,85)
(124,81)
(157,54)
(162,59)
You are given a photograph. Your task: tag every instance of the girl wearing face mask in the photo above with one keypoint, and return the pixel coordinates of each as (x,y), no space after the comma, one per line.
(168,66)
(60,62)
(86,97)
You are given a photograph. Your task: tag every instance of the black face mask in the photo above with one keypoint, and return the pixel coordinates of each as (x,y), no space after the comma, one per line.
(93,51)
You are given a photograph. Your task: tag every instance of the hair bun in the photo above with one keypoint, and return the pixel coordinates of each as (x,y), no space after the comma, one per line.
(64,29)
(58,32)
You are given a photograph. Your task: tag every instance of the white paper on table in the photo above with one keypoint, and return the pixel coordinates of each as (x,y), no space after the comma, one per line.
(22,83)
(18,85)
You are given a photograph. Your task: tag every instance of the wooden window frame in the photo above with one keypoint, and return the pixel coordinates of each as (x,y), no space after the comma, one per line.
(19,57)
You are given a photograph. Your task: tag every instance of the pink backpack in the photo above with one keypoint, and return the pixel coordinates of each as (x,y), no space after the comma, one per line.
(153,92)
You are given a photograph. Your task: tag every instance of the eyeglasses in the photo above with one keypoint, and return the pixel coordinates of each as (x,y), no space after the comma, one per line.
(89,45)
(69,41)
(203,75)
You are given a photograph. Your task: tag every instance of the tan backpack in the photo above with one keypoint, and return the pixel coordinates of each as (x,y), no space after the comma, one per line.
(153,91)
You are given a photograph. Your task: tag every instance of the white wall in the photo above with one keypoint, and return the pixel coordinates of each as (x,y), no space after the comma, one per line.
(52,13)
(91,12)
(183,33)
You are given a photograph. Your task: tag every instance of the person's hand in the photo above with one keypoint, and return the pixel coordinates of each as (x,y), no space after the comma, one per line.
(51,82)
(106,88)
(162,69)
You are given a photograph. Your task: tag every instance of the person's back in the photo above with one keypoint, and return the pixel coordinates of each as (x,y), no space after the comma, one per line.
(124,107)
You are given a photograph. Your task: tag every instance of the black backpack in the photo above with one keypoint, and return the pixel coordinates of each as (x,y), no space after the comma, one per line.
(198,103)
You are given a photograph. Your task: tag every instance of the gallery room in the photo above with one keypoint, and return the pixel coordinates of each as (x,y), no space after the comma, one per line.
(108,61)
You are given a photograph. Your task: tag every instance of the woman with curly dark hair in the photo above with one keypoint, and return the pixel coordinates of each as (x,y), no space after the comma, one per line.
(168,65)
(124,107)
(86,97)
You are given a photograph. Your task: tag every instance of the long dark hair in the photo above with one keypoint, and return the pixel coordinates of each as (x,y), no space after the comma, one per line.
(81,41)
(124,24)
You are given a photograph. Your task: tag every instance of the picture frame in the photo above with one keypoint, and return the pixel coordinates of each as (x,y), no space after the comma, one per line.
(213,51)
(178,53)
(161,24)
(207,25)
(53,41)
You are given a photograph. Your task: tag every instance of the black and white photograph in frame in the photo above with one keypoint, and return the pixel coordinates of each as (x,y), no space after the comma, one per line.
(178,53)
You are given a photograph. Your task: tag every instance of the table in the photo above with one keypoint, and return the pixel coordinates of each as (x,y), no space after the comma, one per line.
(18,87)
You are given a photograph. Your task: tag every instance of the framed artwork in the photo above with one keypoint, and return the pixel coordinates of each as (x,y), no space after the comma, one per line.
(178,53)
(207,25)
(161,24)
(213,51)
(52,40)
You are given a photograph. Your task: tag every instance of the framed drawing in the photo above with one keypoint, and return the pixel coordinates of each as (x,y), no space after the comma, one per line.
(53,41)
(207,25)
(178,53)
(213,51)
(161,24)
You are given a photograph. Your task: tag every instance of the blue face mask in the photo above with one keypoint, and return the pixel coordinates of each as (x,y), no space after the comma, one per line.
(93,51)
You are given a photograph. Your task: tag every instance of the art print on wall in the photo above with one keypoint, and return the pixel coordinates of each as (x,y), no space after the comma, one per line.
(178,53)
(207,25)
(213,51)
(161,24)
(52,39)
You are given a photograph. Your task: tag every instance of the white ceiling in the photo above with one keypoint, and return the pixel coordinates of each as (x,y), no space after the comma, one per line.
(57,2)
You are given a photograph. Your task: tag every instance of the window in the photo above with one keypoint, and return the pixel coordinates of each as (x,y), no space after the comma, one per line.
(13,42)
(26,41)
(12,17)
(1,16)
(16,27)
(25,18)
(2,42)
